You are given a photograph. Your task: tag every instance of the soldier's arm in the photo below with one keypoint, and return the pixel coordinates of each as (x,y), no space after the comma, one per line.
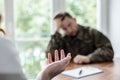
(56,42)
(104,50)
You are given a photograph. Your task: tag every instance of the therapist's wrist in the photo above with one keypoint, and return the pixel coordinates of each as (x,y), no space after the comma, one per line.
(44,75)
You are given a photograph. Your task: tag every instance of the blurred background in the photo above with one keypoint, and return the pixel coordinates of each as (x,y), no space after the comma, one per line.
(29,24)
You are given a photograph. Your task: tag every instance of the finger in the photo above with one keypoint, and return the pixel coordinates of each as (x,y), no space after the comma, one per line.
(69,55)
(65,61)
(56,55)
(80,61)
(62,54)
(75,60)
(49,58)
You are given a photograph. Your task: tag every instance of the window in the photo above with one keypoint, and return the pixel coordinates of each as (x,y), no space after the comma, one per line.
(32,33)
(33,25)
(83,10)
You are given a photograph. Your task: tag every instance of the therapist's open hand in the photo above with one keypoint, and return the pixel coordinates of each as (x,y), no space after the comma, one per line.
(55,67)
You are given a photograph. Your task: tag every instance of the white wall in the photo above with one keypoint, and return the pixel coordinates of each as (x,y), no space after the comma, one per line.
(114,25)
(102,16)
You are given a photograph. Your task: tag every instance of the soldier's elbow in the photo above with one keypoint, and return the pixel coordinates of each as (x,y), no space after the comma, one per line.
(111,56)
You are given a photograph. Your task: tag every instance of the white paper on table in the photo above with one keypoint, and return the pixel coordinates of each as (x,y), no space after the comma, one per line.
(86,71)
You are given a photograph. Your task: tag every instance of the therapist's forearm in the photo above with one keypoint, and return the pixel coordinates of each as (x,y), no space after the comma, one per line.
(43,76)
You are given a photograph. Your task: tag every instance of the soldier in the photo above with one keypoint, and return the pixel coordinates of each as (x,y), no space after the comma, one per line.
(85,44)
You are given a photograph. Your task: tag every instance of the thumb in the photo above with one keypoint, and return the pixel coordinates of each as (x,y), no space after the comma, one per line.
(66,60)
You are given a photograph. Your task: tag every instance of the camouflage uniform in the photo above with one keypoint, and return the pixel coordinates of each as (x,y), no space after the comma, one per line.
(88,42)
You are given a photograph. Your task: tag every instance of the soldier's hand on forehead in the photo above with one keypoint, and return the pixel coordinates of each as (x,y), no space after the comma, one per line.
(57,24)
(80,59)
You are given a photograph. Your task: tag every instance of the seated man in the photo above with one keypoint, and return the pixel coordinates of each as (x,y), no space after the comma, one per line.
(85,44)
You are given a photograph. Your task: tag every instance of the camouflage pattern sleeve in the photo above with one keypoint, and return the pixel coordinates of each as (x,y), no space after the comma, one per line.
(56,42)
(104,50)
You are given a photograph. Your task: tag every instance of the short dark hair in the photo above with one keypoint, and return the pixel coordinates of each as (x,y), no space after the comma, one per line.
(62,15)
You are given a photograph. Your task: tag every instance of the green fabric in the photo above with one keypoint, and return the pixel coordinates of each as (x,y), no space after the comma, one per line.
(87,41)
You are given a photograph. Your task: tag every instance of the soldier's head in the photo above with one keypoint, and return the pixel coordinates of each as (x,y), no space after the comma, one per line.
(66,22)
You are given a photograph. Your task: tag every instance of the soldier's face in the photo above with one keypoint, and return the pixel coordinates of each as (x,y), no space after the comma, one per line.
(68,25)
